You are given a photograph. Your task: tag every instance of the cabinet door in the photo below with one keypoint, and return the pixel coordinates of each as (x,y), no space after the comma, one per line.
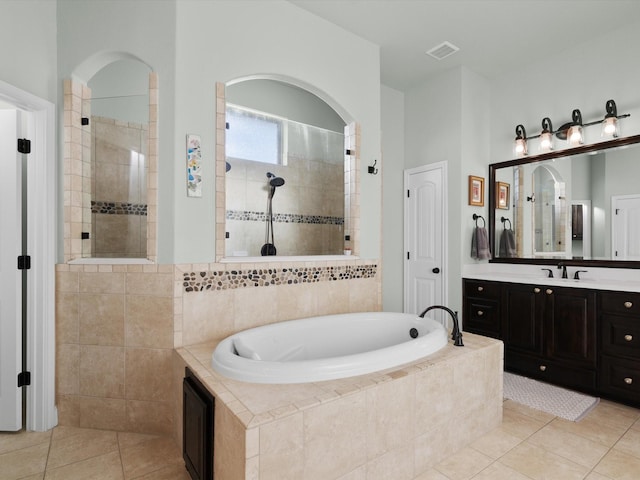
(571,326)
(524,309)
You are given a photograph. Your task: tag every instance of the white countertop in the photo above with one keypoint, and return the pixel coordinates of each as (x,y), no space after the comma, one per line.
(627,280)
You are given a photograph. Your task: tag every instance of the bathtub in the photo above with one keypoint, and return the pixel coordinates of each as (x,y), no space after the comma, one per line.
(327,347)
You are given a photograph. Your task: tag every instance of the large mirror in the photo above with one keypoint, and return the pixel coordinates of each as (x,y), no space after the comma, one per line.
(287,188)
(579,205)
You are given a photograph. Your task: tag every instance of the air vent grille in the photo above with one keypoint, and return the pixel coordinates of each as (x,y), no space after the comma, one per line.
(443,50)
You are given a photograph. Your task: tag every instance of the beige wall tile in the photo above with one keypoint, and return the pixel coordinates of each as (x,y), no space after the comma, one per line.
(101,319)
(391,416)
(103,413)
(150,417)
(207,316)
(67,369)
(396,464)
(148,374)
(67,326)
(282,449)
(68,410)
(102,371)
(148,322)
(228,445)
(67,281)
(91,282)
(155,284)
(334,430)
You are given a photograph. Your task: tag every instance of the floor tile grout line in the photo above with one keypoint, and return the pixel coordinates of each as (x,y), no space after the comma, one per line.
(120,454)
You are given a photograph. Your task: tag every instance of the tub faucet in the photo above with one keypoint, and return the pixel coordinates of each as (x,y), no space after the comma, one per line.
(456,334)
(564,270)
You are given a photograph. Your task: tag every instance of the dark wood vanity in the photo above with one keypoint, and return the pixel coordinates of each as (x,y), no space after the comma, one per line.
(584,339)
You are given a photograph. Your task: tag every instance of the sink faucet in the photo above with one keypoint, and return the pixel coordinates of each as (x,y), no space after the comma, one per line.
(564,270)
(456,334)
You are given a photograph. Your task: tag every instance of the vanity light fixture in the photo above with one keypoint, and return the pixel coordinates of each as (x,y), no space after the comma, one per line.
(521,141)
(574,134)
(546,137)
(610,122)
(572,131)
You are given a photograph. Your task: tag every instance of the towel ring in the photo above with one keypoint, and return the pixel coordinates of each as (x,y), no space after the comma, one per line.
(505,219)
(476,217)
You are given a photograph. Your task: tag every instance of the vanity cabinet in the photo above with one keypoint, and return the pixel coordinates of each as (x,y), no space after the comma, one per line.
(551,334)
(620,344)
(482,312)
(197,427)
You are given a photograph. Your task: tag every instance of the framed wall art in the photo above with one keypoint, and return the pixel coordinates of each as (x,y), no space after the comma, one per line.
(476,191)
(194,167)
(502,195)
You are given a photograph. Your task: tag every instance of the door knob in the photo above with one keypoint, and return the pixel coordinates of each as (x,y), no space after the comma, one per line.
(436,270)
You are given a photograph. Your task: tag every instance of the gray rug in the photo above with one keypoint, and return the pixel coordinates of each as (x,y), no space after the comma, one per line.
(548,398)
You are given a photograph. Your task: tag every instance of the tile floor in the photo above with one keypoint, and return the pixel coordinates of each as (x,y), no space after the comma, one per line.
(529,444)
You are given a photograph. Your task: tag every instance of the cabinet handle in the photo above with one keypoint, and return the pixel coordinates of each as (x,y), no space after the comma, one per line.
(628,337)
(536,290)
(628,304)
(480,289)
(628,380)
(543,368)
(480,313)
(548,291)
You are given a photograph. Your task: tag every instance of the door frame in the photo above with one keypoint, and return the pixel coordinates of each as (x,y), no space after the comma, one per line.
(442,166)
(41,410)
(614,206)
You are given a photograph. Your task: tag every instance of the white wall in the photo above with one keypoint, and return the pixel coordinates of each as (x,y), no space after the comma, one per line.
(392,171)
(226,40)
(28,52)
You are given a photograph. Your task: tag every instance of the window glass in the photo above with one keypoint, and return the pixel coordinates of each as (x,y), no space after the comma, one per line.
(252,135)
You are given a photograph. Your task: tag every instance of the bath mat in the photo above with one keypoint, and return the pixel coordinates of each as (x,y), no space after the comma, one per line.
(548,398)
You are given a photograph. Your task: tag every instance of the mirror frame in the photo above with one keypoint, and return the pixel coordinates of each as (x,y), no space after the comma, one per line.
(614,143)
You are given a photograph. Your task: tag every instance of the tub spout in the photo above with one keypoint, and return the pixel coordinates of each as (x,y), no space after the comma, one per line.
(456,334)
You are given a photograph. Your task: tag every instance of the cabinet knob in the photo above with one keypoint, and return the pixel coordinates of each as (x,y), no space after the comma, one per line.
(548,291)
(628,380)
(628,304)
(536,290)
(543,368)
(480,313)
(480,289)
(628,337)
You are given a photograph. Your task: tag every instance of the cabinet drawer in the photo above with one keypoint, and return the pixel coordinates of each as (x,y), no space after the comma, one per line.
(482,289)
(621,336)
(541,369)
(626,303)
(621,378)
(482,316)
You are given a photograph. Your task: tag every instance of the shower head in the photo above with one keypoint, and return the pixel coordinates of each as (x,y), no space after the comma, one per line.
(275,181)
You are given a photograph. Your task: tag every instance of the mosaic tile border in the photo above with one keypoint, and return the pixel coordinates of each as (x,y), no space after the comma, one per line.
(119,208)
(263,277)
(249,216)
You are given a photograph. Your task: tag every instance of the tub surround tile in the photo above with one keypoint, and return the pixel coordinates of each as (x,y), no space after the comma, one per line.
(332,414)
(102,371)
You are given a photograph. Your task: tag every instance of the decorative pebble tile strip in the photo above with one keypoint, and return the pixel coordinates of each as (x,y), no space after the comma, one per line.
(249,216)
(263,277)
(119,208)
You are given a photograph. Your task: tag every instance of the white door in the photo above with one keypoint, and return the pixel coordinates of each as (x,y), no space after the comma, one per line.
(625,218)
(425,235)
(10,276)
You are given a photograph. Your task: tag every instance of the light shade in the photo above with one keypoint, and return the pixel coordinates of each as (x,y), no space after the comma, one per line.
(521,141)
(574,134)
(610,122)
(546,137)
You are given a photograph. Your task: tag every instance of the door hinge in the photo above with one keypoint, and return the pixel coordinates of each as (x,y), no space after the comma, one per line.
(24,262)
(408,193)
(24,145)
(408,255)
(24,378)
(617,211)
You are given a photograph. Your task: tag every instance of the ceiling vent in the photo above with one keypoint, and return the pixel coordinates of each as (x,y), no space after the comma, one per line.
(443,50)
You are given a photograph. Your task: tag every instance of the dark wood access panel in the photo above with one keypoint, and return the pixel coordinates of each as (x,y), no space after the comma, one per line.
(197,427)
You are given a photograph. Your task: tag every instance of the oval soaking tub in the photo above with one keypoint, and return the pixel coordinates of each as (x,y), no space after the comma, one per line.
(327,347)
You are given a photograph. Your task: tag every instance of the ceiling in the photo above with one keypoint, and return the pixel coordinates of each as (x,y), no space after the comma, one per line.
(493,35)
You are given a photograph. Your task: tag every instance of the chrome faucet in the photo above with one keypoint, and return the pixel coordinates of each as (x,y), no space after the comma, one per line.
(564,270)
(456,334)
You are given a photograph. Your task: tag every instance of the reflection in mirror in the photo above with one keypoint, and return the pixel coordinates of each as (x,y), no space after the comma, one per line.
(119,137)
(549,212)
(581,204)
(285,184)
